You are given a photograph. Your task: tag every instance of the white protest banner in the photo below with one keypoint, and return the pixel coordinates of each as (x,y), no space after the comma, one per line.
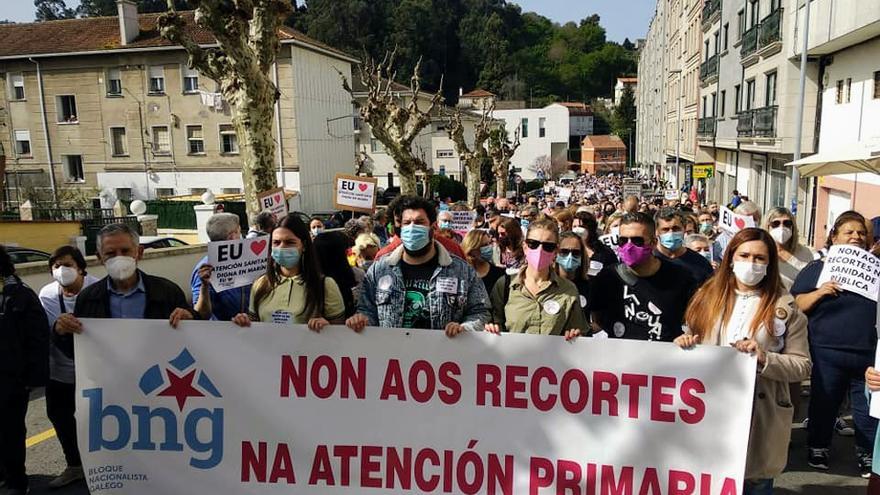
(632,188)
(671,195)
(875,396)
(354,193)
(732,222)
(237,263)
(274,201)
(610,240)
(563,194)
(211,408)
(854,269)
(462,221)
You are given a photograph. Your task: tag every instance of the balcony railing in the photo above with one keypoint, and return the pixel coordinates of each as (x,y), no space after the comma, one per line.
(709,68)
(765,121)
(706,127)
(745,125)
(750,41)
(710,8)
(771,29)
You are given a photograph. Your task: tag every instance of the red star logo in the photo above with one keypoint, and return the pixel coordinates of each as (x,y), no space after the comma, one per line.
(181,388)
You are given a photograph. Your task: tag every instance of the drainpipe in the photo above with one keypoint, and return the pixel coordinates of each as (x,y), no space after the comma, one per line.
(46,132)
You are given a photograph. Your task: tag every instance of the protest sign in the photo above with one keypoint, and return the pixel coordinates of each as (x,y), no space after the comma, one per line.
(274,201)
(462,221)
(237,263)
(610,240)
(354,193)
(213,408)
(563,194)
(671,195)
(732,222)
(854,269)
(632,187)
(875,395)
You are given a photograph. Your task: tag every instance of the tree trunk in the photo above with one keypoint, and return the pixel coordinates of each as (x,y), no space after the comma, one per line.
(408,183)
(252,118)
(473,183)
(501,185)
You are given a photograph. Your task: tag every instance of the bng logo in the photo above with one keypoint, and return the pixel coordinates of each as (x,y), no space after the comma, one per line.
(180,380)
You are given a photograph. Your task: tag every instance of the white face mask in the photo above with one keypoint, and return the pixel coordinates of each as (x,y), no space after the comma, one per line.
(750,274)
(579,231)
(121,267)
(65,275)
(781,234)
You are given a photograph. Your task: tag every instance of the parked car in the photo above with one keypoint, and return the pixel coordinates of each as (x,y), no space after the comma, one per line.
(157,242)
(26,255)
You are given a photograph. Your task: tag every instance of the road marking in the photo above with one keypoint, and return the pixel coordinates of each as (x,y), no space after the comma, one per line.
(40,437)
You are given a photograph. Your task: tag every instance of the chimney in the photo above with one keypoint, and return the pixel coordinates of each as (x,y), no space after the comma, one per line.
(128,21)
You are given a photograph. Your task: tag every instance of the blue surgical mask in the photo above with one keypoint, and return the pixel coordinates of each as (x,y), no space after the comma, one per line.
(707,255)
(415,237)
(487,253)
(524,223)
(568,262)
(286,257)
(672,240)
(445,224)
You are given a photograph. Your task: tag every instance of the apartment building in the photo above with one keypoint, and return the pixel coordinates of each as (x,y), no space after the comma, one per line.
(651,97)
(106,103)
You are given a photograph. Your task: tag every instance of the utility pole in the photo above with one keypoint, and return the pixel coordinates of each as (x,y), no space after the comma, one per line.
(799,134)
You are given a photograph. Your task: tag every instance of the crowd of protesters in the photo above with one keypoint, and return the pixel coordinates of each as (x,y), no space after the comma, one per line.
(589,263)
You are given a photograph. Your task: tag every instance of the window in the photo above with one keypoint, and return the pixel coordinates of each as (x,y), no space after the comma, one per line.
(22,143)
(723,101)
(714,105)
(118,141)
(740,24)
(66,109)
(376,146)
(737,98)
(16,87)
(123,193)
(717,42)
(228,139)
(164,192)
(724,36)
(445,154)
(524,125)
(196,139)
(770,95)
(704,107)
(190,80)
(877,85)
(750,94)
(198,191)
(231,190)
(706,51)
(73,168)
(754,12)
(156,74)
(542,131)
(440,128)
(161,140)
(848,93)
(839,97)
(774,5)
(114,82)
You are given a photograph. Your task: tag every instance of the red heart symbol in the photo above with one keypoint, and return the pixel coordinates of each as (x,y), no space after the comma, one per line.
(277,198)
(740,223)
(362,187)
(258,246)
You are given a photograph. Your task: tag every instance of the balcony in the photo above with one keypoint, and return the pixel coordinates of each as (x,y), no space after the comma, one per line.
(709,70)
(711,13)
(745,125)
(765,122)
(770,35)
(706,128)
(749,44)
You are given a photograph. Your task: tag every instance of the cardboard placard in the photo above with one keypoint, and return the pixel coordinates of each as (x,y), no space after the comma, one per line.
(274,201)
(854,270)
(354,193)
(462,221)
(732,222)
(237,263)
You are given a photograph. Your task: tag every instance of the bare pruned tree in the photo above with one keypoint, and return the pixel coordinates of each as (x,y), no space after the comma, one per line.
(501,150)
(472,157)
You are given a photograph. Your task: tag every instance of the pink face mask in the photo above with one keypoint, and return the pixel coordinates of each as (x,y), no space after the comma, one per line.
(539,259)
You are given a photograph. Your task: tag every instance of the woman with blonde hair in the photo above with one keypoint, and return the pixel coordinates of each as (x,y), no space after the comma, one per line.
(793,256)
(746,306)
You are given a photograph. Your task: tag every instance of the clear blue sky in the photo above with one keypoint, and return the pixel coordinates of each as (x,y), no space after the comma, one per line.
(621,18)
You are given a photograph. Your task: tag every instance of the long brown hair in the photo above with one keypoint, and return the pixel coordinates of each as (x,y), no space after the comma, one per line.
(720,291)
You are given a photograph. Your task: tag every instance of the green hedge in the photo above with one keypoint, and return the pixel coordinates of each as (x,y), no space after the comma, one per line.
(181,215)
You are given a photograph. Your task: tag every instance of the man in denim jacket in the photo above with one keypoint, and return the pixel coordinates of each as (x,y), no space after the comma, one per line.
(419,284)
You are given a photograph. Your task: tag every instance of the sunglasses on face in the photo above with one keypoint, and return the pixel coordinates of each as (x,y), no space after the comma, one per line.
(785,223)
(547,246)
(638,241)
(566,252)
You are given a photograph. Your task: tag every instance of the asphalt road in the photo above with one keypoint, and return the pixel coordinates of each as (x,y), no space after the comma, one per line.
(46,461)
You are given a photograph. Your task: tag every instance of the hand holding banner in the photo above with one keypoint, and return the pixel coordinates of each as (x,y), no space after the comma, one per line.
(237,263)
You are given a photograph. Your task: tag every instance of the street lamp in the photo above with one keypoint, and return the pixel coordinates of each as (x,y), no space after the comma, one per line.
(678,134)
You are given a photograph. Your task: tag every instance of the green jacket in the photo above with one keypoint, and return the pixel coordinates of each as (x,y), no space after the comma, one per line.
(555,310)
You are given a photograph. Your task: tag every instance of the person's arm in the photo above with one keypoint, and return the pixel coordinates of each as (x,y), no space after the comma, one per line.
(367,303)
(807,301)
(334,306)
(793,363)
(476,312)
(576,319)
(36,339)
(201,292)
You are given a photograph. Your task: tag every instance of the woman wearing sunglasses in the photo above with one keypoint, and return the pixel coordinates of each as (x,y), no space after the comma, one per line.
(744,305)
(793,256)
(515,299)
(572,262)
(478,248)
(510,244)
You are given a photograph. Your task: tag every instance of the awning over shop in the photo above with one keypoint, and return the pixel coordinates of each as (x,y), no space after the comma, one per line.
(853,158)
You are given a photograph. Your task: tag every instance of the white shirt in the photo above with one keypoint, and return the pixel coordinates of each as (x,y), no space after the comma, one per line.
(60,366)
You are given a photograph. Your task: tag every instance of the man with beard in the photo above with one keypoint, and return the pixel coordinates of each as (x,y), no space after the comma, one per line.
(419,284)
(394,242)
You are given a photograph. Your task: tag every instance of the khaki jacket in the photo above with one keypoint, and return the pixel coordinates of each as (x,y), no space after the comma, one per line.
(773,411)
(555,310)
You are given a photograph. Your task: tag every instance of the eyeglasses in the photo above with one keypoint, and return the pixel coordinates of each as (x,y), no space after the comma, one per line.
(777,223)
(638,241)
(566,252)
(547,246)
